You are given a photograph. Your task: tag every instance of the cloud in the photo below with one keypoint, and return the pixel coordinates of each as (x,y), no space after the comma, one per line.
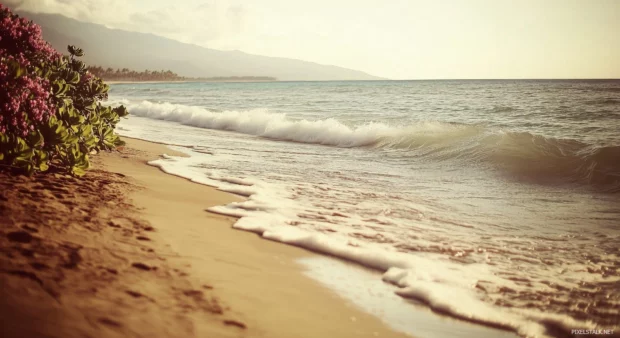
(98,11)
(202,23)
(398,39)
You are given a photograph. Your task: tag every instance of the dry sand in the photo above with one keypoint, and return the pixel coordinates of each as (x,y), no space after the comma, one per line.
(129,251)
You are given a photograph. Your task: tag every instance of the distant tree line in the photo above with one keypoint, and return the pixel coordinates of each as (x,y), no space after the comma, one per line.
(131,75)
(126,74)
(238,78)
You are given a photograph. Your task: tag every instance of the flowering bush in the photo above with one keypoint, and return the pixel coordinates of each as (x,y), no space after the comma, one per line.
(50,105)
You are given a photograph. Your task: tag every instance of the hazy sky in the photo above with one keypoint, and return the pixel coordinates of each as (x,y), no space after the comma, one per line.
(398,39)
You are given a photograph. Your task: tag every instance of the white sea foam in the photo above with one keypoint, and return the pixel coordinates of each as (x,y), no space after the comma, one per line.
(261,122)
(445,286)
(522,154)
(466,218)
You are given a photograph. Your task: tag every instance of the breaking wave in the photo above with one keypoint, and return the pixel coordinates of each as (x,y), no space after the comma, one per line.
(521,155)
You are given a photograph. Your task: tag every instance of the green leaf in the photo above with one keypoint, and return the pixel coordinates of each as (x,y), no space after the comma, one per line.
(74,77)
(75,51)
(86,130)
(25,156)
(35,139)
(121,111)
(60,87)
(42,158)
(22,145)
(91,142)
(119,142)
(29,169)
(77,171)
(44,166)
(16,69)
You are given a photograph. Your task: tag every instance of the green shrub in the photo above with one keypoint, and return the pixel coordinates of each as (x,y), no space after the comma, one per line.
(50,105)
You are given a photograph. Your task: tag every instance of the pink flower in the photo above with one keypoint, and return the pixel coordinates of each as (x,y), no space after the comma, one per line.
(26,100)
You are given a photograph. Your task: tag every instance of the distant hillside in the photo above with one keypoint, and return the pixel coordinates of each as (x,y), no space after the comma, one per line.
(122,49)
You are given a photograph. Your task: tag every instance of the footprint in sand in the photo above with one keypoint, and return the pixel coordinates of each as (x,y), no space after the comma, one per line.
(19,236)
(143,266)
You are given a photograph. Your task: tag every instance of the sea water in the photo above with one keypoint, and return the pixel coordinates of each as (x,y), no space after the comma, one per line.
(495,202)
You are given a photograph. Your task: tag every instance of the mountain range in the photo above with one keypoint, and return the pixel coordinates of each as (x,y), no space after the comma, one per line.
(124,49)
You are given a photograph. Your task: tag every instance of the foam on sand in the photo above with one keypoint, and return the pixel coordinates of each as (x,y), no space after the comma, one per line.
(445,286)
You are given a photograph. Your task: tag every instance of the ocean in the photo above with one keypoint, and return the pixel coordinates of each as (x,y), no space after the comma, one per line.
(491,201)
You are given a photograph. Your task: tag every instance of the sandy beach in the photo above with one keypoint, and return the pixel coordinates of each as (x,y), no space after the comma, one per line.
(129,251)
(299,169)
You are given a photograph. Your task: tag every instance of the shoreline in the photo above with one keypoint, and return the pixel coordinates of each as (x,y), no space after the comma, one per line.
(363,286)
(112,82)
(126,251)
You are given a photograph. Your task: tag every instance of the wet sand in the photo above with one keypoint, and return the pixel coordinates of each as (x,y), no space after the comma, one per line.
(129,251)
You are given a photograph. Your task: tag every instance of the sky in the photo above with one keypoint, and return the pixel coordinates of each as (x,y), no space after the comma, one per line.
(396,39)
